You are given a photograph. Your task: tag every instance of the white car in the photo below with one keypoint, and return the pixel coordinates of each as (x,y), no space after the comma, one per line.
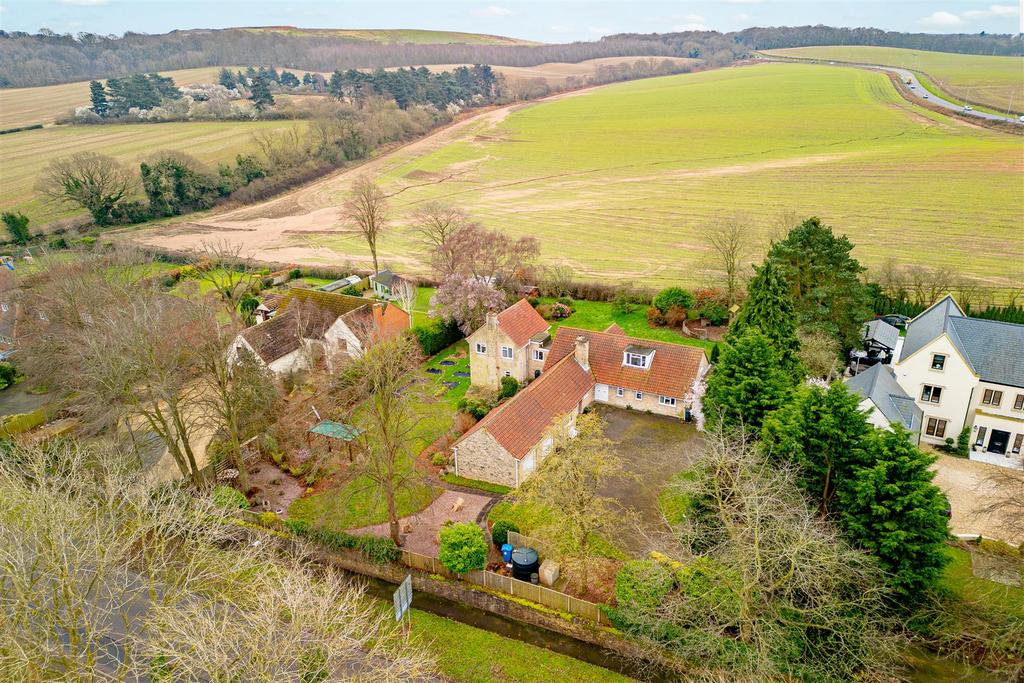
(925,96)
(968,107)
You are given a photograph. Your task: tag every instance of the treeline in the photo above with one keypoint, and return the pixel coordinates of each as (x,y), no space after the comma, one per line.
(417,86)
(139,91)
(46,58)
(173,183)
(805,36)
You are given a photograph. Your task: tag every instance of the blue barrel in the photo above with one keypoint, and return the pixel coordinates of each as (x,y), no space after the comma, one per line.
(506,552)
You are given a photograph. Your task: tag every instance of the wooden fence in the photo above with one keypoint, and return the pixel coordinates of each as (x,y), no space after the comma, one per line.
(522,540)
(525,590)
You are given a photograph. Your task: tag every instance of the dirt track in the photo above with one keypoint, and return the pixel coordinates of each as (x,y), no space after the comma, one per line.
(970,487)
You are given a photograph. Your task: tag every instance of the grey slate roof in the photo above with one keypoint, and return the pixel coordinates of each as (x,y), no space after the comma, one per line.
(994,349)
(384,277)
(880,332)
(878,383)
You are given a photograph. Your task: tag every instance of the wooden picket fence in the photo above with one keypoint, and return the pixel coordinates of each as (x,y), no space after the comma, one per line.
(525,590)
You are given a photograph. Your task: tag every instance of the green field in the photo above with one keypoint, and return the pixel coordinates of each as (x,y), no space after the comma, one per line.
(24,155)
(620,182)
(982,79)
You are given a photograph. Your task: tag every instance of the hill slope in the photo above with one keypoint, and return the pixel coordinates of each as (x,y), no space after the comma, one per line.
(620,182)
(392,36)
(993,81)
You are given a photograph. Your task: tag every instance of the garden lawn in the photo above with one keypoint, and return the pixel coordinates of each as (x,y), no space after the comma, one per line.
(455,393)
(598,315)
(421,308)
(357,502)
(530,518)
(959,578)
(484,657)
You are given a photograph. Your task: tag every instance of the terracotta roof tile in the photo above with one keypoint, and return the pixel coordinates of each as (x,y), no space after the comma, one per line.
(519,423)
(614,329)
(520,321)
(672,372)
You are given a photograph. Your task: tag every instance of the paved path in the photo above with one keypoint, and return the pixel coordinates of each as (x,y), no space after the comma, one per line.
(918,91)
(971,486)
(426,523)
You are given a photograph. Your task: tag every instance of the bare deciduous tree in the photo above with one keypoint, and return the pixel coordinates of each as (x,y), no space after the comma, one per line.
(404,291)
(227,270)
(95,182)
(819,352)
(557,280)
(438,224)
(380,385)
(367,209)
(570,482)
(730,239)
(138,586)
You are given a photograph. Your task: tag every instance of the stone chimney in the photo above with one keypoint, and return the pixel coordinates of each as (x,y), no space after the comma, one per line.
(492,319)
(582,352)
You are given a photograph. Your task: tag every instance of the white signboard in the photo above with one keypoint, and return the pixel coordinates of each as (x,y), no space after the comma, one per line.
(403,597)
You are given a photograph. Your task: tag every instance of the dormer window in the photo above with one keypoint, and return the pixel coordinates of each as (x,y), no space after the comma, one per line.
(637,357)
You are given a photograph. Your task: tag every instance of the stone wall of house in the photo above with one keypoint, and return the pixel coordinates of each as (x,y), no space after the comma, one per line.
(480,456)
(487,369)
(649,402)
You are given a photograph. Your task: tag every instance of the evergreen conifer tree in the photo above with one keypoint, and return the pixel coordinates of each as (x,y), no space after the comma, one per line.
(769,308)
(98,97)
(260,95)
(747,384)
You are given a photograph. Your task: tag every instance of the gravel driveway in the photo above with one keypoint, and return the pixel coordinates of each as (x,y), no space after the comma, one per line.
(971,486)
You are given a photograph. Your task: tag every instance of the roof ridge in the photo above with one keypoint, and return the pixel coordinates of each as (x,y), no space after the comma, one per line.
(498,409)
(987,320)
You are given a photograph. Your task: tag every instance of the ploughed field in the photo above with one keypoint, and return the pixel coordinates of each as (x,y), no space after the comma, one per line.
(994,81)
(620,181)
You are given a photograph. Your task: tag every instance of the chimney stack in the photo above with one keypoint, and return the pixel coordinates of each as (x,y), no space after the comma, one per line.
(492,319)
(582,352)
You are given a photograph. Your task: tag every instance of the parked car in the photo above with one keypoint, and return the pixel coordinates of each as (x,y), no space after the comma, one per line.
(862,360)
(896,320)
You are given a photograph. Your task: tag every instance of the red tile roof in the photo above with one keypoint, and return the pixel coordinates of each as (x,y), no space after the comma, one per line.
(519,423)
(614,329)
(672,372)
(520,321)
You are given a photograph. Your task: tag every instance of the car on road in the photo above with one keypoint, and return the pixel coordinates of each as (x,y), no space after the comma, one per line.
(968,107)
(925,95)
(912,86)
(897,320)
(1021,119)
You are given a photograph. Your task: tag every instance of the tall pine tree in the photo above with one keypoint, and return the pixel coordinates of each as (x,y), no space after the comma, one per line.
(892,509)
(748,383)
(824,280)
(823,432)
(769,308)
(260,95)
(98,96)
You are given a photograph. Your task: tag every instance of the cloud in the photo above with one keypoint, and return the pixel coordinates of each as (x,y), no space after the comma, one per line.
(84,3)
(690,26)
(492,11)
(942,19)
(993,11)
(742,16)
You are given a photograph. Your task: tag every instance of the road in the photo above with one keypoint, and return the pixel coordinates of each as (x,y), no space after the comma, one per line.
(917,91)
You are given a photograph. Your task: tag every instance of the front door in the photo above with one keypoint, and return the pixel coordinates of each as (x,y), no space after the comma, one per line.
(601,392)
(998,442)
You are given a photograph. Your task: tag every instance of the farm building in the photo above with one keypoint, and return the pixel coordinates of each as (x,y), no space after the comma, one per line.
(581,367)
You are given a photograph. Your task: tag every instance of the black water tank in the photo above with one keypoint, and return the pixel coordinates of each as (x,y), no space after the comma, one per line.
(524,562)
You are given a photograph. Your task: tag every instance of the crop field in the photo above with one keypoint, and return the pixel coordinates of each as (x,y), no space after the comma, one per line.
(29,106)
(989,80)
(620,181)
(24,155)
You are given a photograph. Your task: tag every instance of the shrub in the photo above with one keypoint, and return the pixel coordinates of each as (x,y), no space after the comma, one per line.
(58,243)
(439,459)
(379,550)
(294,274)
(477,407)
(715,353)
(499,532)
(352,290)
(8,373)
(676,317)
(299,527)
(436,336)
(268,519)
(565,301)
(623,305)
(673,297)
(463,548)
(230,498)
(705,580)
(642,584)
(533,301)
(715,313)
(559,311)
(655,318)
(509,388)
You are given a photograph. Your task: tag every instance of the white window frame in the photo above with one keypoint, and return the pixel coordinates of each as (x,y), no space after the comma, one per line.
(508,373)
(481,349)
(667,401)
(639,395)
(511,352)
(3,307)
(620,392)
(934,394)
(641,357)
(538,354)
(941,364)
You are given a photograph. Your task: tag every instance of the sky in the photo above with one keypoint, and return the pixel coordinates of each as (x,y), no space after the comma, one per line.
(552,21)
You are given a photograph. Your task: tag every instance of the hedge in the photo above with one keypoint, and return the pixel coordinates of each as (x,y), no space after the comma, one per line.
(379,550)
(436,336)
(642,584)
(229,497)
